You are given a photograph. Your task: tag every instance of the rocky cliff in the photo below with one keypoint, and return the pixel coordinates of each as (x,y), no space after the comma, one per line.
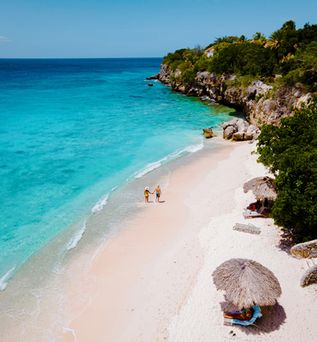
(258,101)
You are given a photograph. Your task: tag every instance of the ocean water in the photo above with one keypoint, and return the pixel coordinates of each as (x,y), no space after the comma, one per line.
(72,131)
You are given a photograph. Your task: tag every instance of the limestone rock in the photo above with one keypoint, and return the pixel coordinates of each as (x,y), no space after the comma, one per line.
(232,123)
(305,249)
(251,133)
(239,130)
(255,101)
(181,89)
(238,136)
(206,98)
(208,133)
(154,77)
(257,88)
(228,132)
(242,125)
(248,136)
(303,100)
(309,277)
(165,74)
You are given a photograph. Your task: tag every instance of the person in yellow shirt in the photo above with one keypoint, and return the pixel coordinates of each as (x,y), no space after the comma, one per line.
(147,193)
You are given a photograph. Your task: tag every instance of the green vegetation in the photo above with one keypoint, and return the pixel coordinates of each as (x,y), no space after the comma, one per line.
(290,151)
(289,52)
(246,58)
(286,60)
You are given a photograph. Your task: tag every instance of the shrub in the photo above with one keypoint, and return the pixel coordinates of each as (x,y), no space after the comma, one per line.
(290,52)
(245,59)
(290,151)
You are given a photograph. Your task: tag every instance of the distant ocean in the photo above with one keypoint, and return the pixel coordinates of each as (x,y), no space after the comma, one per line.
(71,131)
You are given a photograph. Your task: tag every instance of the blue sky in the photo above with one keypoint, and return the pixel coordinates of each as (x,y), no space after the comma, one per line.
(132,28)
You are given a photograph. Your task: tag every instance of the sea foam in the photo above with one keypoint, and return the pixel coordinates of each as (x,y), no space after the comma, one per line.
(149,167)
(5,279)
(155,165)
(73,242)
(100,204)
(194,148)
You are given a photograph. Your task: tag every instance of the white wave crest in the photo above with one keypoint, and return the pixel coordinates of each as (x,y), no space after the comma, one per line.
(5,279)
(73,242)
(149,167)
(194,148)
(155,165)
(100,204)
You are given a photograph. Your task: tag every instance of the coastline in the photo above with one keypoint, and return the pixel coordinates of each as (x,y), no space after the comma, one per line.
(154,278)
(148,250)
(42,307)
(151,279)
(74,144)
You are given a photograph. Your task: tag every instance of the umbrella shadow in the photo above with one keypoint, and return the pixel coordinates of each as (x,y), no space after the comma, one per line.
(273,317)
(286,242)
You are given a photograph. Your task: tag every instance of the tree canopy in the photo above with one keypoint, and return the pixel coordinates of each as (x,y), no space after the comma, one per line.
(290,152)
(289,51)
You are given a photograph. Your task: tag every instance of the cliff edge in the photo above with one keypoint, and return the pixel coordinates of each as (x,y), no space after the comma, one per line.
(258,101)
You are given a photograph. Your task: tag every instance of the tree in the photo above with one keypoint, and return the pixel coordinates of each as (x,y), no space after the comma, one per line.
(302,67)
(286,38)
(258,36)
(290,152)
(226,39)
(246,58)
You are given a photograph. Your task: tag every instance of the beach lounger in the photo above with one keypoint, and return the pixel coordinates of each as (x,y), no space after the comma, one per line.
(246,228)
(256,314)
(251,214)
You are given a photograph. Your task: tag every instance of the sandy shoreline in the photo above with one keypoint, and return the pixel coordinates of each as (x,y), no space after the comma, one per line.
(152,250)
(153,280)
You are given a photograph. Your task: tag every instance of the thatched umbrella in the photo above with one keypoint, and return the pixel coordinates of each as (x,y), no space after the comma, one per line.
(262,187)
(247,283)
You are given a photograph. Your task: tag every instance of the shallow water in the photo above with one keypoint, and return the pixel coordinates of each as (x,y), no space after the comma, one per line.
(72,131)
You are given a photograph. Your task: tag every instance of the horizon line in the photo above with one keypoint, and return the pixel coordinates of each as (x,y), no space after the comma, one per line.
(2,58)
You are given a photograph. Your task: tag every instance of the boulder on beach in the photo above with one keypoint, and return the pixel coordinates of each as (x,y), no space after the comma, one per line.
(238,136)
(239,130)
(305,250)
(309,277)
(228,132)
(208,133)
(232,123)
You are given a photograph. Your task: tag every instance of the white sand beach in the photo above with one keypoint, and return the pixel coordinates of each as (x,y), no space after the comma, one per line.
(152,281)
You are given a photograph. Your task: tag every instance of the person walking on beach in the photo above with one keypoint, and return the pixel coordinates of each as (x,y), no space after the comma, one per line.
(158,192)
(147,193)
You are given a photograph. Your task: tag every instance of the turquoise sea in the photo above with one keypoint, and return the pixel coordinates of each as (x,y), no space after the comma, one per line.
(72,131)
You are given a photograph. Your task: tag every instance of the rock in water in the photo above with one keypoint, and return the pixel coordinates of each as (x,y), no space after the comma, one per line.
(208,133)
(154,77)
